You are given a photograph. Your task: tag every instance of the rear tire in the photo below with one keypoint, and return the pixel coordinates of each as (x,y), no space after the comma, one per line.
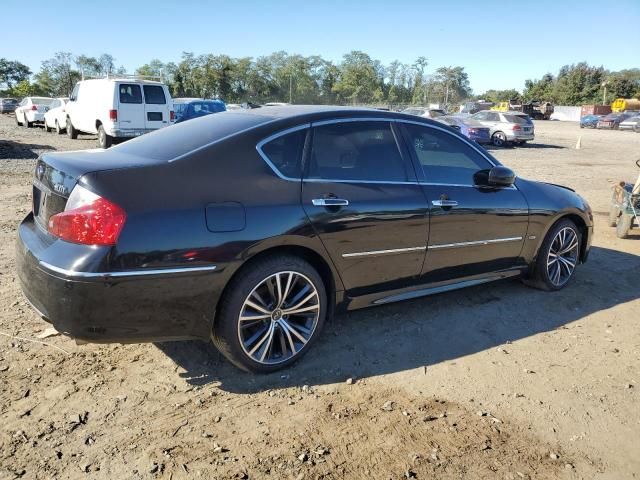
(26,122)
(614,213)
(104,140)
(46,127)
(72,133)
(624,225)
(58,129)
(554,267)
(16,118)
(499,139)
(253,292)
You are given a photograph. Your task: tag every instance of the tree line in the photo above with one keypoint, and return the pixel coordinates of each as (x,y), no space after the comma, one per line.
(283,77)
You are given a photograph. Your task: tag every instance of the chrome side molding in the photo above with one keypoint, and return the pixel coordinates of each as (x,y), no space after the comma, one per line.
(383,252)
(124,273)
(474,243)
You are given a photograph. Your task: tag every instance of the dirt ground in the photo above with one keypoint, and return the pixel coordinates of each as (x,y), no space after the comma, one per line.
(497,381)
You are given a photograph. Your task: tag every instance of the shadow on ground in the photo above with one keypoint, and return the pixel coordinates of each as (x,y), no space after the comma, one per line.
(427,331)
(526,145)
(23,151)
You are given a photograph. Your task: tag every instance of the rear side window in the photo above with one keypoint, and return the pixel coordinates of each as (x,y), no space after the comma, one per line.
(445,159)
(285,153)
(154,95)
(493,117)
(364,151)
(130,93)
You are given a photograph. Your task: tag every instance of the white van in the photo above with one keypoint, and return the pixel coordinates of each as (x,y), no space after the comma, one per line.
(118,108)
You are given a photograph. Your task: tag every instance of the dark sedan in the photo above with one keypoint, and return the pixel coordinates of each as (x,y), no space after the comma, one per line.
(8,105)
(470,128)
(613,120)
(253,227)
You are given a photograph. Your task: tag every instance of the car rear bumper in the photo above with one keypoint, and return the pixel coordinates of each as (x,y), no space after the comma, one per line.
(521,137)
(129,132)
(116,306)
(35,116)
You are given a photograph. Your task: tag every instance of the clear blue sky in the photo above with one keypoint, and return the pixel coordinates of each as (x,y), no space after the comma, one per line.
(500,43)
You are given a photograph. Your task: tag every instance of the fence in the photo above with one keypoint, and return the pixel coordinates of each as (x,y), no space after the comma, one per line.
(566,114)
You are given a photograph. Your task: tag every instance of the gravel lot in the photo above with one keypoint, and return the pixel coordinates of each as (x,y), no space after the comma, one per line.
(497,381)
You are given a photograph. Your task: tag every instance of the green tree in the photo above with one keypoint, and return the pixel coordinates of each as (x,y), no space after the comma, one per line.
(12,72)
(359,79)
(60,74)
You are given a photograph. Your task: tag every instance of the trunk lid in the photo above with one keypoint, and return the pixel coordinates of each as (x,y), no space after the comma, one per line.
(57,173)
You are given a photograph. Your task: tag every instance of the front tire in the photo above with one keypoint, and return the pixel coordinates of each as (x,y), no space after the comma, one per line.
(499,139)
(72,133)
(557,258)
(104,140)
(271,314)
(624,225)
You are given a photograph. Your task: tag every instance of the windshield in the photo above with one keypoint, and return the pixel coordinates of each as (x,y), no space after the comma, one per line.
(522,120)
(42,101)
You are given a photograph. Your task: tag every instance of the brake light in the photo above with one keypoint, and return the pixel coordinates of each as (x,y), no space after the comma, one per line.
(88,219)
(517,128)
(172,115)
(113,115)
(34,107)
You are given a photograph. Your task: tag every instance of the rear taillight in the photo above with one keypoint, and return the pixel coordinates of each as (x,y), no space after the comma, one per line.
(88,219)
(517,128)
(172,115)
(113,115)
(34,107)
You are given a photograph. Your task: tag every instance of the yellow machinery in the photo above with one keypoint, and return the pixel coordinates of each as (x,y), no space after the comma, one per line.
(624,104)
(501,107)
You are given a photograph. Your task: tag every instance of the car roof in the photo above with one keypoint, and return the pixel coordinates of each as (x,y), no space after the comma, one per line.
(190,100)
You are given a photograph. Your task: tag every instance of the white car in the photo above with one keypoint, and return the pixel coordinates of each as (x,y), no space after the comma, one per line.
(56,117)
(118,108)
(424,112)
(31,110)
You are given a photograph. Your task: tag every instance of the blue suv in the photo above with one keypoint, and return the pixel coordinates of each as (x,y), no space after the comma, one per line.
(188,108)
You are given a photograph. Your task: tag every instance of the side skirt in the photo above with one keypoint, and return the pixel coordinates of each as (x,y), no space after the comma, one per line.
(426,289)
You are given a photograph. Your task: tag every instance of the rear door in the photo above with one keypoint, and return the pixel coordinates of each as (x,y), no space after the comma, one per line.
(361,195)
(156,109)
(131,114)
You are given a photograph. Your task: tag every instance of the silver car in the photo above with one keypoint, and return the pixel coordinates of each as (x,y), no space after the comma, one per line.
(8,105)
(506,127)
(424,112)
(632,124)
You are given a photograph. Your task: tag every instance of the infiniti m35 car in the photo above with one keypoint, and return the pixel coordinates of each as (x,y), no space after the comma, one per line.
(252,227)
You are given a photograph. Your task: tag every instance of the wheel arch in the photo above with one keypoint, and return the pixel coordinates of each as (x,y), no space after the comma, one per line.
(582,227)
(323,265)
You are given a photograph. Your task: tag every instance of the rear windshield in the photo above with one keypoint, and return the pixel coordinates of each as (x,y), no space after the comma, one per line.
(41,101)
(171,142)
(130,93)
(517,119)
(154,95)
(9,100)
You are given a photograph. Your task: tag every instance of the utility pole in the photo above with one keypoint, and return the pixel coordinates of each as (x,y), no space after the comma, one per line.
(604,93)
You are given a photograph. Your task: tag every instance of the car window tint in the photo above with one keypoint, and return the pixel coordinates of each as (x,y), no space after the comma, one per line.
(364,151)
(154,95)
(444,157)
(517,119)
(130,93)
(285,153)
(480,116)
(493,117)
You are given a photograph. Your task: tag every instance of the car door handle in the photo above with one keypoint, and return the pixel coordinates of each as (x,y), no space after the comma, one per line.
(444,203)
(330,202)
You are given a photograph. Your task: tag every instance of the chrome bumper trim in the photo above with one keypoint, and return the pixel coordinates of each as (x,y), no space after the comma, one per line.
(124,273)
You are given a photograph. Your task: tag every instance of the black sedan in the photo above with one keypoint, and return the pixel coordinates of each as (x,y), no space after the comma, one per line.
(253,227)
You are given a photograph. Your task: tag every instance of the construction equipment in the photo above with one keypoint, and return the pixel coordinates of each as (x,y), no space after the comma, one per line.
(625,104)
(625,206)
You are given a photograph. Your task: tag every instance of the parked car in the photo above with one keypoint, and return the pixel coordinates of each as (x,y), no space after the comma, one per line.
(613,120)
(117,108)
(424,112)
(188,108)
(8,105)
(632,123)
(590,121)
(31,110)
(470,128)
(506,127)
(213,228)
(56,116)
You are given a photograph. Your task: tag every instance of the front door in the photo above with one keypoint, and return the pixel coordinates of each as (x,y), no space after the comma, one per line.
(473,230)
(361,195)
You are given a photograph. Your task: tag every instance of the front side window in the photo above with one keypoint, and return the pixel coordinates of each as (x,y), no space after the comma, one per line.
(130,93)
(493,117)
(154,95)
(444,158)
(364,151)
(285,153)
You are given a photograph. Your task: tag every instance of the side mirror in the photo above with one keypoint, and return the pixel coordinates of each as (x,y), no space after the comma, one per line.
(497,176)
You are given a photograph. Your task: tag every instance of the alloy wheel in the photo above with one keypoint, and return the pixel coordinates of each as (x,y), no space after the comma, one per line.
(563,256)
(278,317)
